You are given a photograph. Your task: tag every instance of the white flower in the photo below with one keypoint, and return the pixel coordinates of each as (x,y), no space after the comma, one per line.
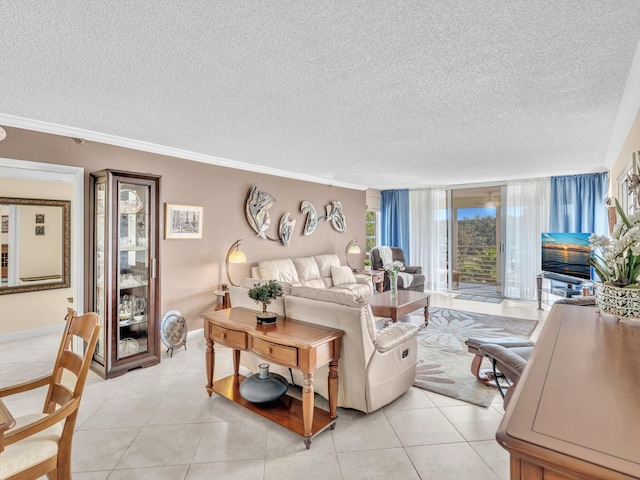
(617,259)
(393,267)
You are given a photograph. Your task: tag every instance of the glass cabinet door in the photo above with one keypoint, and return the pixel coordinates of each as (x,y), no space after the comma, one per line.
(133,269)
(100,269)
(126,287)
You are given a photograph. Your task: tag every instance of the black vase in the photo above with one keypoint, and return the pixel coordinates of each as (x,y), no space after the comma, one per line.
(263,386)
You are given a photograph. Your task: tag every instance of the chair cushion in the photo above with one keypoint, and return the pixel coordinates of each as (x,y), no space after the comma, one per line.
(32,450)
(308,272)
(510,361)
(473,343)
(342,276)
(282,270)
(332,296)
(324,265)
(396,333)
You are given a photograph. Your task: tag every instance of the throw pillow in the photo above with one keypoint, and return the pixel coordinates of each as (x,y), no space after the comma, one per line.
(342,275)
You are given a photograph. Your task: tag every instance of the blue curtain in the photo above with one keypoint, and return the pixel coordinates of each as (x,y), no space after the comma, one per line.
(578,203)
(394,220)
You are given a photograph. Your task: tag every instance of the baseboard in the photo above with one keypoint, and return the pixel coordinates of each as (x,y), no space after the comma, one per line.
(36,332)
(199,333)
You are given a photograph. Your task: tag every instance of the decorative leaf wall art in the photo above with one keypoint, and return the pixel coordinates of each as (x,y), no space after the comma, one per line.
(335,215)
(257,212)
(286,228)
(258,204)
(311,222)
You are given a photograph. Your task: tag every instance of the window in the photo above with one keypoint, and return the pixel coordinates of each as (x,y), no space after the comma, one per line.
(371,228)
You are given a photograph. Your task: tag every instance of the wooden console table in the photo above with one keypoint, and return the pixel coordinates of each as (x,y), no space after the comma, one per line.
(575,412)
(288,342)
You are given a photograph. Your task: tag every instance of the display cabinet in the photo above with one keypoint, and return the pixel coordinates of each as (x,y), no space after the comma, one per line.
(126,287)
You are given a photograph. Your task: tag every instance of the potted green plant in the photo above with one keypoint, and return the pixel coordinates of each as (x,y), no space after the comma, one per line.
(264,293)
(367,265)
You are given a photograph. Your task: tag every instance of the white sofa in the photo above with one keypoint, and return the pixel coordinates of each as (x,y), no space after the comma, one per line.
(318,271)
(375,367)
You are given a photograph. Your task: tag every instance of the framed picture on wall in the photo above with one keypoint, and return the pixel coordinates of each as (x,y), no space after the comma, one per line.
(39,217)
(183,221)
(40,230)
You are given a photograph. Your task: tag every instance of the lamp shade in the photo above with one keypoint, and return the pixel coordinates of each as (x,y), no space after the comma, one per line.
(351,249)
(234,255)
(237,256)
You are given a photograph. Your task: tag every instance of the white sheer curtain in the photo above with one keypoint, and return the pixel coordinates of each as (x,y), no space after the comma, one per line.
(428,235)
(527,216)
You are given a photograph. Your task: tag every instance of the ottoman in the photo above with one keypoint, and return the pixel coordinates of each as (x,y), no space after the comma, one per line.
(473,345)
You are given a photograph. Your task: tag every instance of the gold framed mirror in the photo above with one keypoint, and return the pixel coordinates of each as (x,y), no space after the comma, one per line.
(35,245)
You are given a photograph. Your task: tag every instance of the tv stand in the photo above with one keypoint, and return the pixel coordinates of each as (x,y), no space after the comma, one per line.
(567,292)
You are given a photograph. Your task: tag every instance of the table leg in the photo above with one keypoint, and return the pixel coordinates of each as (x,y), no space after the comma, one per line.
(539,288)
(209,360)
(307,404)
(236,362)
(333,388)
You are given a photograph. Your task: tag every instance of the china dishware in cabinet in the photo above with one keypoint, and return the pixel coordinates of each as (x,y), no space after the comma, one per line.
(126,287)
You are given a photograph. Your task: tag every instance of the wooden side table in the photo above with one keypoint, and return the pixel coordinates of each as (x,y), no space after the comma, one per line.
(224,300)
(377,277)
(287,342)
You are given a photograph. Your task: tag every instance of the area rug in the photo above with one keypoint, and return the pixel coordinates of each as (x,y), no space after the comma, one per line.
(478,298)
(444,364)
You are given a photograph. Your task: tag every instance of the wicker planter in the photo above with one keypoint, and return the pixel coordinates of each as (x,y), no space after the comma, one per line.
(621,302)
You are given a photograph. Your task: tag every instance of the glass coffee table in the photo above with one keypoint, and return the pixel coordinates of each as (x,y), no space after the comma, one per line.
(407,301)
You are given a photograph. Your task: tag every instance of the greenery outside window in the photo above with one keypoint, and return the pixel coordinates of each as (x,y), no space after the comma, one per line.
(371,227)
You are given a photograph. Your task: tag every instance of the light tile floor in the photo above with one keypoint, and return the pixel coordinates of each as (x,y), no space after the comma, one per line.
(158,423)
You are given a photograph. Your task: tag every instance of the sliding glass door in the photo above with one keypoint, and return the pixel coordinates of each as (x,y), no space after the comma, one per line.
(475,240)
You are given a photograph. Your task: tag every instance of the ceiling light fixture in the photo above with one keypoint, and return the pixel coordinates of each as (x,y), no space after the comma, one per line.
(490,202)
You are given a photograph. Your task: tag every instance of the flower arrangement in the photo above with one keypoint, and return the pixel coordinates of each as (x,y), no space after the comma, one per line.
(616,259)
(265,293)
(393,268)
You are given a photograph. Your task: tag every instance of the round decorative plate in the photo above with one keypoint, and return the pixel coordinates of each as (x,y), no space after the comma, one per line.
(173,329)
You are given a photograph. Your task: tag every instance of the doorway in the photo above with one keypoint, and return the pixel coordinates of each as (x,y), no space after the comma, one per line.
(49,173)
(476,243)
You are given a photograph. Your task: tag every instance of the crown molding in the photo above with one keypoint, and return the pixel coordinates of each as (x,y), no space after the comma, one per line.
(73,132)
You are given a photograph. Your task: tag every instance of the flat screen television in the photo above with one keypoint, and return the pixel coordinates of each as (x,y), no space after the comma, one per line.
(566,254)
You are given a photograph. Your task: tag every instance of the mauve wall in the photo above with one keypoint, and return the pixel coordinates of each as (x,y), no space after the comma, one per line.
(192,269)
(623,161)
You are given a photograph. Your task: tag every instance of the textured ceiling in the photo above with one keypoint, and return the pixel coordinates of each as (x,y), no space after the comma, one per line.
(384,94)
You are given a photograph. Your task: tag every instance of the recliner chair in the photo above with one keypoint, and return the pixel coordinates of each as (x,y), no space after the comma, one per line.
(507,363)
(417,282)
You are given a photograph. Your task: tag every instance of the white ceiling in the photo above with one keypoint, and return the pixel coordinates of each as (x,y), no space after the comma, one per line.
(382,94)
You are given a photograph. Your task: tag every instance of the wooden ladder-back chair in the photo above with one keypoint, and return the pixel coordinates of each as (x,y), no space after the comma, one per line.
(40,444)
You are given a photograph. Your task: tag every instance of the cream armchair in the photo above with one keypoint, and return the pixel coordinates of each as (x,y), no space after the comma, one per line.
(375,367)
